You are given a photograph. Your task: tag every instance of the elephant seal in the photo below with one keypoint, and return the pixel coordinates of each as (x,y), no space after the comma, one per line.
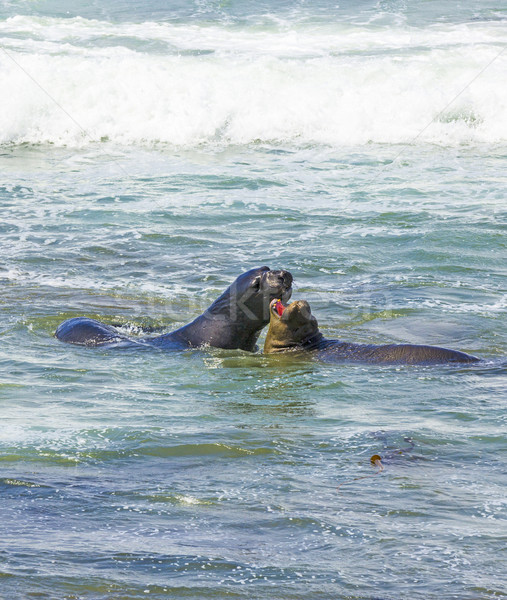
(294,328)
(234,320)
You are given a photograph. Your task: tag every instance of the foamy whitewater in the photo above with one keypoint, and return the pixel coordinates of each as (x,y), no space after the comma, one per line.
(73,81)
(152,151)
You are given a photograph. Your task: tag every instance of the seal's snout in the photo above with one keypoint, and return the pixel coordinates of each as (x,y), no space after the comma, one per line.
(303,308)
(278,284)
(286,277)
(281,279)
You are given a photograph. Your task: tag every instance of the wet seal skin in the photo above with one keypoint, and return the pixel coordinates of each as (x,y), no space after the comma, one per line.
(293,328)
(233,321)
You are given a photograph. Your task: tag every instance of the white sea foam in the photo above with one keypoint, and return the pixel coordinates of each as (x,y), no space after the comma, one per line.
(75,81)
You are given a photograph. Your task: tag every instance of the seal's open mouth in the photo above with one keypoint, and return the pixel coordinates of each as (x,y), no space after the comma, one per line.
(278,307)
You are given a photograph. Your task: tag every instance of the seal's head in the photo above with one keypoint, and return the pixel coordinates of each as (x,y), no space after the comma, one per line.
(290,327)
(247,299)
(237,317)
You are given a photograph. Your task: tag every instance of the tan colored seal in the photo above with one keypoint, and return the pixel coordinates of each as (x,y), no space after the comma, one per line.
(294,328)
(290,327)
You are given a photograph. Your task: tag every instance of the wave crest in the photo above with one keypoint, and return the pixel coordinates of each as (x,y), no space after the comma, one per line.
(77,82)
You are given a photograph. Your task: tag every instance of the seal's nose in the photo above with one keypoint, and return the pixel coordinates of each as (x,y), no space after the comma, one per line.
(286,277)
(303,308)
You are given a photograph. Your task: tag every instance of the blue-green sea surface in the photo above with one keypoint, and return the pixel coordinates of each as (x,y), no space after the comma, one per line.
(150,153)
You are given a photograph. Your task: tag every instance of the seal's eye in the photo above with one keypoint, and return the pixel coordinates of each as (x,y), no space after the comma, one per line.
(256,284)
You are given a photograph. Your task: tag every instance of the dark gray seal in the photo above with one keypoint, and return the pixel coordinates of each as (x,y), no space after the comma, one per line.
(294,328)
(234,320)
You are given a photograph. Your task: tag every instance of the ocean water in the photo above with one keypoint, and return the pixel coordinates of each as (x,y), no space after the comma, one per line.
(152,151)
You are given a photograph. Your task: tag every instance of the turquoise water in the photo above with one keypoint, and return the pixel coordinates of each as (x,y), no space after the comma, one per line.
(150,154)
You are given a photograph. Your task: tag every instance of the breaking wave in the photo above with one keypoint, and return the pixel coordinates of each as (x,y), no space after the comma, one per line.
(72,82)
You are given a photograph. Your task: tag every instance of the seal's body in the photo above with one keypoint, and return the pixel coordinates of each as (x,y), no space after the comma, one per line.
(234,320)
(294,328)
